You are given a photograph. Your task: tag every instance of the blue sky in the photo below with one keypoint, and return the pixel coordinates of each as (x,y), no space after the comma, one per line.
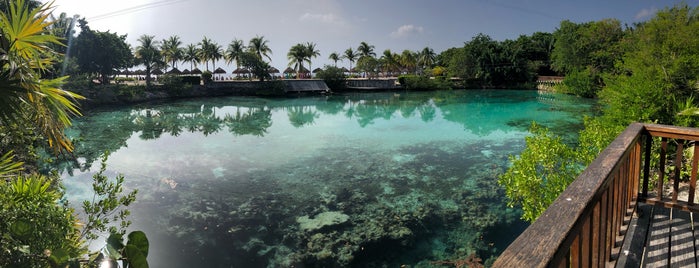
(335,25)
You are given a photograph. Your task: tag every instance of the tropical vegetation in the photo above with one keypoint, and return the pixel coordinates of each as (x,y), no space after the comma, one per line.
(646,73)
(38,228)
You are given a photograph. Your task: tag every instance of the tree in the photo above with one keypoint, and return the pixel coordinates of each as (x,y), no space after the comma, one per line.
(38,229)
(297,55)
(426,58)
(171,50)
(148,54)
(258,45)
(37,105)
(257,66)
(351,56)
(209,51)
(334,57)
(101,52)
(368,65)
(234,51)
(191,55)
(408,59)
(366,50)
(311,52)
(390,61)
(660,70)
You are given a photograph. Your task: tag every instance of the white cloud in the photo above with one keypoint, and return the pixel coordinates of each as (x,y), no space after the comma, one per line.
(407,30)
(325,18)
(646,12)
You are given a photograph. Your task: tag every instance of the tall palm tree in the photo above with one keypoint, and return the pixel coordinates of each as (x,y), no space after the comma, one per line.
(258,45)
(408,60)
(216,54)
(334,57)
(297,55)
(390,61)
(207,49)
(24,42)
(366,50)
(311,52)
(191,55)
(351,56)
(148,54)
(426,57)
(234,51)
(171,50)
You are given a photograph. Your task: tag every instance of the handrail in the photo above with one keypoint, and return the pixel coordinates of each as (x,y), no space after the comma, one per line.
(585,226)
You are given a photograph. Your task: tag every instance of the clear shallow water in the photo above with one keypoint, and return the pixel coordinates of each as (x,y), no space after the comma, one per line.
(399,178)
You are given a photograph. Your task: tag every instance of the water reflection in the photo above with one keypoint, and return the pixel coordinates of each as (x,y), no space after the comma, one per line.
(408,177)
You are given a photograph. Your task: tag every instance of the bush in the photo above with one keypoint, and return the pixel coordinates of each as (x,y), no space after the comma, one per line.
(173,84)
(206,77)
(414,82)
(581,83)
(334,77)
(191,80)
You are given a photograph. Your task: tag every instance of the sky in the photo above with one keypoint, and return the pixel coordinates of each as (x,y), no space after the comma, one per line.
(335,25)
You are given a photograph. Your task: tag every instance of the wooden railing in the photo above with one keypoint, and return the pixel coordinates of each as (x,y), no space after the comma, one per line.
(586,225)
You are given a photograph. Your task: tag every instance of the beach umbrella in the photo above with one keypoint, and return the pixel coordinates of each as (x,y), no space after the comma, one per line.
(186,71)
(316,70)
(273,70)
(196,71)
(219,71)
(157,72)
(344,70)
(289,70)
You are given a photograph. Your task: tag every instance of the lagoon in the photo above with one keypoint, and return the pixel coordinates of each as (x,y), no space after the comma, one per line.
(355,179)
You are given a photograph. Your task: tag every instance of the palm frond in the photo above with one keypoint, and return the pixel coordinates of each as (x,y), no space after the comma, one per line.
(8,166)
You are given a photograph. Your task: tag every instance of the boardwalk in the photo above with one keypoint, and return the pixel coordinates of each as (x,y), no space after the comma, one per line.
(660,237)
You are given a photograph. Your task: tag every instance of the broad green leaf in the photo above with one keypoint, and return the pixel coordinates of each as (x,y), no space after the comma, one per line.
(134,257)
(139,240)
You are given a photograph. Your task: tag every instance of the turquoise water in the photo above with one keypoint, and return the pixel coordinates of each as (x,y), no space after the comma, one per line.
(362,180)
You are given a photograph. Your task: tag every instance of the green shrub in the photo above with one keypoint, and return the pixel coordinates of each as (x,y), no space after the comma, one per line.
(191,80)
(206,77)
(334,77)
(581,83)
(173,84)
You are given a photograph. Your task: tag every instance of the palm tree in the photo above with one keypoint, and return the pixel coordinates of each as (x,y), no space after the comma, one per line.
(409,60)
(208,50)
(351,56)
(426,57)
(366,50)
(334,57)
(171,50)
(148,54)
(235,49)
(216,54)
(297,55)
(390,61)
(258,45)
(311,52)
(38,105)
(191,55)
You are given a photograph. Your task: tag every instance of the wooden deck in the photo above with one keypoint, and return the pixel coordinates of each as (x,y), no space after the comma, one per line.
(660,237)
(631,207)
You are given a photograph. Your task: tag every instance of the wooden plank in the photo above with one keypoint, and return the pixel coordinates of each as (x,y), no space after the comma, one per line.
(661,169)
(682,253)
(678,167)
(657,253)
(693,180)
(632,249)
